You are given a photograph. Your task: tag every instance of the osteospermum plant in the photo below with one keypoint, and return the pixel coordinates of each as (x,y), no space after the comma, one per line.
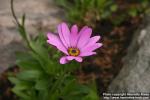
(73,43)
(41,76)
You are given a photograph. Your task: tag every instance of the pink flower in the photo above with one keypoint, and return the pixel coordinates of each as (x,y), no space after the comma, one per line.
(73,43)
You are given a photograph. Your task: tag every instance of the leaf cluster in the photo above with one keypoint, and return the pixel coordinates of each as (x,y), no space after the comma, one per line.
(91,11)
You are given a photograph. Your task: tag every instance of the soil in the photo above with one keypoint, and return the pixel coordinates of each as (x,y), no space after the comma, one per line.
(6,86)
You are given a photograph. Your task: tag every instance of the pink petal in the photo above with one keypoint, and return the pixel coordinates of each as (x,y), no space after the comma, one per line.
(61,35)
(70,57)
(74,36)
(63,60)
(74,29)
(87,54)
(93,40)
(84,37)
(82,30)
(64,34)
(55,40)
(79,59)
(66,59)
(91,47)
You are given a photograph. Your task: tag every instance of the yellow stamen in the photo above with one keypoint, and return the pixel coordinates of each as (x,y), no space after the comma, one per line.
(73,51)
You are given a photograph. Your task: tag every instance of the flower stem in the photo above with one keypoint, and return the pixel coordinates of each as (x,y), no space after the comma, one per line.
(13,12)
(57,84)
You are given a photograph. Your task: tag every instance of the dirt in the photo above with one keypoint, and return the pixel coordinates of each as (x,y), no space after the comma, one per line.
(6,86)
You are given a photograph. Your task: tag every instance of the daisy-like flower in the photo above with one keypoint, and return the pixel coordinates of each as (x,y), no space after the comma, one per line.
(73,43)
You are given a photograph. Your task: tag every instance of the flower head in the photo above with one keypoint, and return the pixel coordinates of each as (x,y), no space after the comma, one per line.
(73,43)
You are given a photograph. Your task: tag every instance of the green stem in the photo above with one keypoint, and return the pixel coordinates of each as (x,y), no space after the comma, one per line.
(13,12)
(57,84)
(21,27)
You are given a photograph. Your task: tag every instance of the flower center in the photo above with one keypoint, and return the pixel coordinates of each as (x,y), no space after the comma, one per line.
(73,51)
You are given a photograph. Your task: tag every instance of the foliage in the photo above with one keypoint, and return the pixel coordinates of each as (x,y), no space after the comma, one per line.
(41,77)
(91,11)
(87,11)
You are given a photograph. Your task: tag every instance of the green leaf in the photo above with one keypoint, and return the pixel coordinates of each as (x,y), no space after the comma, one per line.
(26,61)
(28,64)
(92,96)
(43,95)
(23,86)
(23,55)
(30,75)
(42,84)
(113,7)
(40,50)
(21,89)
(22,32)
(133,12)
(72,89)
(23,19)
(14,80)
(44,63)
(21,94)
(40,39)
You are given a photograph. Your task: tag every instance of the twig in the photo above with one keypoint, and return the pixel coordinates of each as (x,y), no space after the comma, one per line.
(13,12)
